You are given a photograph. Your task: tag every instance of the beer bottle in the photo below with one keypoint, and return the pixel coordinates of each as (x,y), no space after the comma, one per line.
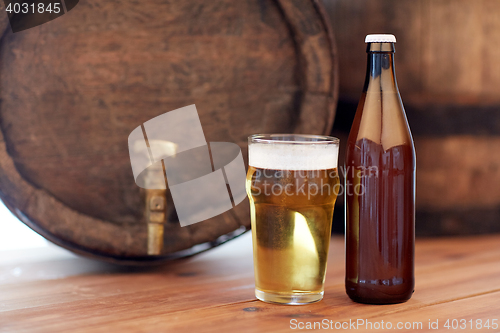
(380,187)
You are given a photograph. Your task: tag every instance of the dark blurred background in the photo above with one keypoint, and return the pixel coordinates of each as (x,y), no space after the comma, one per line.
(448,72)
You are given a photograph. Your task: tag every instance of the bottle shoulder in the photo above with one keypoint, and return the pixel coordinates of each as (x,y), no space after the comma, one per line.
(381,118)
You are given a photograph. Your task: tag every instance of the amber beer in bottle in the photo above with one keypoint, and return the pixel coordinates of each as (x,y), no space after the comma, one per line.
(380,187)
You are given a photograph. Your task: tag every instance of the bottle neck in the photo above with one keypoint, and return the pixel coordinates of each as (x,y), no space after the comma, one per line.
(380,73)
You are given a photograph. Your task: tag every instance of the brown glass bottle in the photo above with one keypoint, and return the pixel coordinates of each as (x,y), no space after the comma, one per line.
(380,188)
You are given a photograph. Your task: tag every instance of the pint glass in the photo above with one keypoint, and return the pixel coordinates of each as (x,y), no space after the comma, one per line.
(292,184)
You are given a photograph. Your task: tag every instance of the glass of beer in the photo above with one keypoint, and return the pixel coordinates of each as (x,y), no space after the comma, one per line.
(292,183)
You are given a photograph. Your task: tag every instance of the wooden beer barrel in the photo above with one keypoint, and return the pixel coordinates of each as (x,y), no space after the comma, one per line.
(74,88)
(449,78)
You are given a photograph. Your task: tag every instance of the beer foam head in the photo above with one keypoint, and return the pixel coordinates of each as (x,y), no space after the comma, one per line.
(279,156)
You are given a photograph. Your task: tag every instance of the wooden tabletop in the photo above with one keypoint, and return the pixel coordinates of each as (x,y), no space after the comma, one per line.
(50,290)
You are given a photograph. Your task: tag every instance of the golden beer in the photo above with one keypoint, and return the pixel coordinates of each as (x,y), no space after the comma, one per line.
(292,187)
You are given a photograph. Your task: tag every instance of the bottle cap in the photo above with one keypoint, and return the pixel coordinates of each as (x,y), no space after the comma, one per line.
(384,38)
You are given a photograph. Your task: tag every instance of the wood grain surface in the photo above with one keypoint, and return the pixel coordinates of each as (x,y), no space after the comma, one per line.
(50,291)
